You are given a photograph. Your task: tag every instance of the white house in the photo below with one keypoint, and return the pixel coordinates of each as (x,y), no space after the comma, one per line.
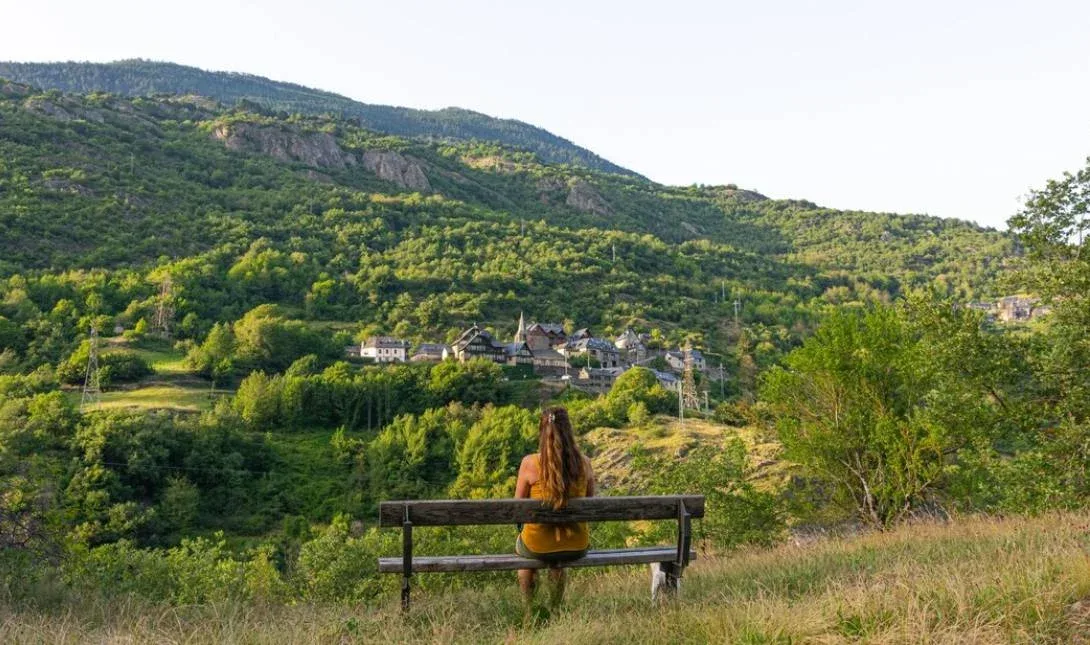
(385,349)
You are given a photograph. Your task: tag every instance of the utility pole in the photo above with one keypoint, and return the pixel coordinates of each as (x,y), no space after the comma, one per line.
(737,308)
(92,387)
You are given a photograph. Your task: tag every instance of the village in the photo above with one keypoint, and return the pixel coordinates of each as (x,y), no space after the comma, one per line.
(585,361)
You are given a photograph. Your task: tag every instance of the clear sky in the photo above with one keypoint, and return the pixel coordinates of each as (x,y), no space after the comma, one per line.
(948,108)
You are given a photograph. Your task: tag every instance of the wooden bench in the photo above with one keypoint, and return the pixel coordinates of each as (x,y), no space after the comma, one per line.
(672,560)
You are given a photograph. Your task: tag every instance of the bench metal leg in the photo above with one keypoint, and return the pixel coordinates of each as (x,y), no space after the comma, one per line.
(406,559)
(665,580)
(666,576)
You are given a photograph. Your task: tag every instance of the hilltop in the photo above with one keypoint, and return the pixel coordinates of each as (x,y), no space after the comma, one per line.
(145,78)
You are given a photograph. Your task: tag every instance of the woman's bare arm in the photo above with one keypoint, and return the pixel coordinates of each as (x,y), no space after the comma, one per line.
(522,486)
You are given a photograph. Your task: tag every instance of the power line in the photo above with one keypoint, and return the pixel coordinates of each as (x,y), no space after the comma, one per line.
(189,468)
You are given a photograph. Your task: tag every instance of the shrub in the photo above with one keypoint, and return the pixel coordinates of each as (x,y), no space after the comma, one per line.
(200,570)
(735,512)
(119,366)
(639,385)
(337,567)
(638,413)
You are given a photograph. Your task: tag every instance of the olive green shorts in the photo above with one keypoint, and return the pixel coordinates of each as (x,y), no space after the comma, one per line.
(556,557)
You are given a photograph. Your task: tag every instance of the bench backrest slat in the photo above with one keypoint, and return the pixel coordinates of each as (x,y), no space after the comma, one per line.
(512,511)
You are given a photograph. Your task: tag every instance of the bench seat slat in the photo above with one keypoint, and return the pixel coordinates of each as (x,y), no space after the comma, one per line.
(513,511)
(509,562)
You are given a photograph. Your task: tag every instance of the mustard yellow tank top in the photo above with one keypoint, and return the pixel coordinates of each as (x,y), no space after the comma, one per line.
(552,538)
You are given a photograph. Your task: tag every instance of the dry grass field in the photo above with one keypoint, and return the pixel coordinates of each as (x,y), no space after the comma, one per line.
(975,580)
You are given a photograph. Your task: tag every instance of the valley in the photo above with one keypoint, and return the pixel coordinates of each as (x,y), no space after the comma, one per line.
(237,314)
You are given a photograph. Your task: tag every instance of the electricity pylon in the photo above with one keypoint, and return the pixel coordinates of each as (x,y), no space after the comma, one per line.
(91,385)
(688,381)
(164,310)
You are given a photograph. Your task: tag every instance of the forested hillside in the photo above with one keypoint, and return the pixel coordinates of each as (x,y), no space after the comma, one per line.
(143,78)
(242,208)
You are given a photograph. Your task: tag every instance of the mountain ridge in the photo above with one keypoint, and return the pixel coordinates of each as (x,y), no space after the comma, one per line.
(141,77)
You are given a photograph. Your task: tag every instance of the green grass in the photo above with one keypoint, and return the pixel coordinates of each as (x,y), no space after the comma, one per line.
(171,387)
(165,362)
(977,580)
(156,397)
(160,354)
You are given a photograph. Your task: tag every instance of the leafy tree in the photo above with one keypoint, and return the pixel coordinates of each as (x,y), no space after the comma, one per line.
(257,400)
(265,340)
(639,385)
(334,565)
(1051,469)
(489,458)
(1053,226)
(215,356)
(475,381)
(179,505)
(413,457)
(860,404)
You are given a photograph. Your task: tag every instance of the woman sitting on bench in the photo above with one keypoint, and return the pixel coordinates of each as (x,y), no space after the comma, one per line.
(557,473)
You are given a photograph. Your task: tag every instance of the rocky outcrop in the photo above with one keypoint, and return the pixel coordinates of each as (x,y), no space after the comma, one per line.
(13,90)
(59,185)
(550,184)
(317,149)
(321,150)
(583,197)
(48,108)
(397,168)
(63,110)
(551,190)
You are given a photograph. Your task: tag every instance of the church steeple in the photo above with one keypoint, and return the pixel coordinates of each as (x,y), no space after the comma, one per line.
(520,335)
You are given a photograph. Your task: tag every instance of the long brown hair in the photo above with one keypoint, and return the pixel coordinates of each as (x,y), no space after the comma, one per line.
(561,462)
